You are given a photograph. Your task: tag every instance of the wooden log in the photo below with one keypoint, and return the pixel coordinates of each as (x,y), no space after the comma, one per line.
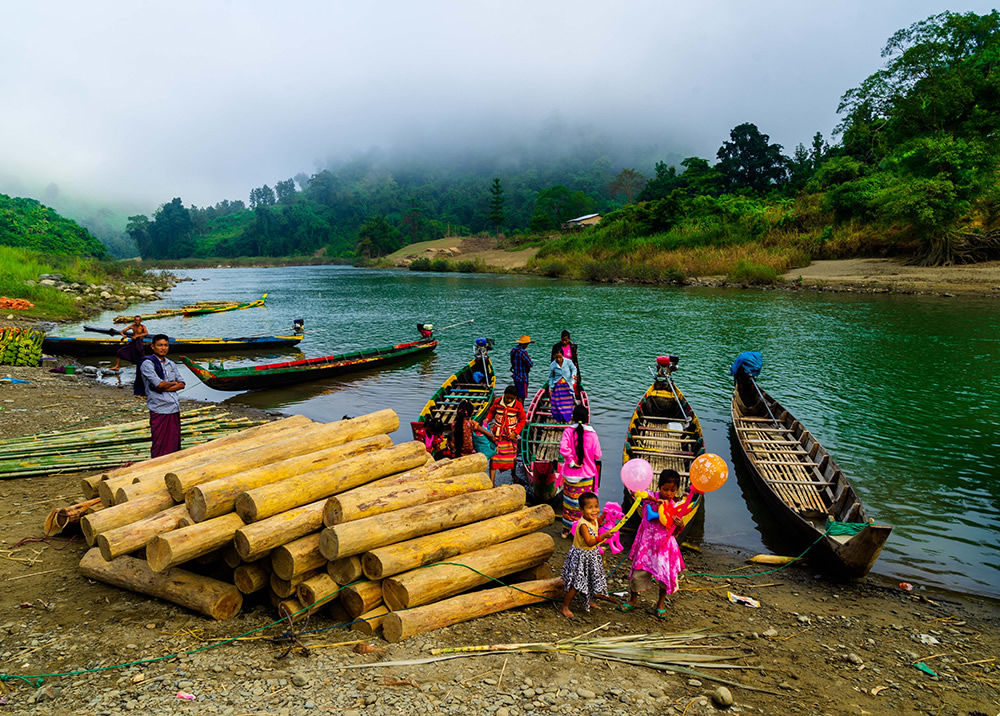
(371,621)
(201,594)
(218,497)
(361,597)
(88,487)
(127,493)
(290,609)
(156,468)
(476,462)
(338,614)
(346,570)
(136,535)
(363,535)
(180,545)
(111,517)
(401,625)
(297,557)
(430,584)
(268,500)
(230,556)
(531,574)
(285,588)
(316,591)
(62,517)
(306,440)
(252,577)
(261,537)
(385,561)
(368,502)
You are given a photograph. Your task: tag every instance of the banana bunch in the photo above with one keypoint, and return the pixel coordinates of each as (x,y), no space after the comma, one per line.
(20,346)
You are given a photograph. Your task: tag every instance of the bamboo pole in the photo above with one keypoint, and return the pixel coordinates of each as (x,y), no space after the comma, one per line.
(136,535)
(385,561)
(363,535)
(111,517)
(297,557)
(364,502)
(306,440)
(201,594)
(430,584)
(256,539)
(402,625)
(218,497)
(176,547)
(268,500)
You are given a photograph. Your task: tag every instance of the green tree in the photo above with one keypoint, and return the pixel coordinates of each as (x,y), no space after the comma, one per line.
(377,237)
(285,191)
(748,161)
(496,205)
(628,182)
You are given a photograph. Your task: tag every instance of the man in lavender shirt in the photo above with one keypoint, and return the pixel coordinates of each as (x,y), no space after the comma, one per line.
(162,381)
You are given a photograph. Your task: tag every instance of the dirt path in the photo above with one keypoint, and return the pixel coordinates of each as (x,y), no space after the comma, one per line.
(814,646)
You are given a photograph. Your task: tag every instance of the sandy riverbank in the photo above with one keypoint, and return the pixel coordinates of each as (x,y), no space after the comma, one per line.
(822,647)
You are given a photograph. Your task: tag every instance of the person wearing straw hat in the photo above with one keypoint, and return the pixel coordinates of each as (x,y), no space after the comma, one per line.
(520,365)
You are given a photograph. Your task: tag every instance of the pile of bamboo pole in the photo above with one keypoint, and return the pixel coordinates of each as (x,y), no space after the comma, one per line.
(321,517)
(59,451)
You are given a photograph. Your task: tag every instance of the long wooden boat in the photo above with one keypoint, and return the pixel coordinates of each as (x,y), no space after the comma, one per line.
(272,375)
(539,447)
(463,384)
(197,309)
(665,431)
(108,346)
(802,484)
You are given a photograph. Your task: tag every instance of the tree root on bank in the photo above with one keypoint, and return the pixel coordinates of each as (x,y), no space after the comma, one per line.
(961,248)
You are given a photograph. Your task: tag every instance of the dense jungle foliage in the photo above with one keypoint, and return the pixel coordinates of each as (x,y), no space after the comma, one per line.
(26,223)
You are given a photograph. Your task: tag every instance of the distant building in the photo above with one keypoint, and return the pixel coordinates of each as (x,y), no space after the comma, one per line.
(581,221)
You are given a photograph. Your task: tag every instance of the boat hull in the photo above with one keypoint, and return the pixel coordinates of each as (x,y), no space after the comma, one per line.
(458,387)
(539,448)
(666,432)
(273,375)
(108,346)
(802,485)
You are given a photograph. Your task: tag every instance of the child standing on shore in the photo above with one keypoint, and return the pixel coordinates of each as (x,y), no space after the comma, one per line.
(656,558)
(583,570)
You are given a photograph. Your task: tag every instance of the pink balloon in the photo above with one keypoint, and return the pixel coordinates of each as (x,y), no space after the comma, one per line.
(637,474)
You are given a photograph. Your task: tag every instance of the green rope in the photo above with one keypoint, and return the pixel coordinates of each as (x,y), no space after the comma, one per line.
(844,529)
(770,571)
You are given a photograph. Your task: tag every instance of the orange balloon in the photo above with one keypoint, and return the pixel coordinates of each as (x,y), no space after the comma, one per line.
(708,472)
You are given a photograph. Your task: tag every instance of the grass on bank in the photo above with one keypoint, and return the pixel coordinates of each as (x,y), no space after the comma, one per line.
(19,265)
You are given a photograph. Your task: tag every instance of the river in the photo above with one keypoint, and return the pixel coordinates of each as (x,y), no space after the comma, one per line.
(902,390)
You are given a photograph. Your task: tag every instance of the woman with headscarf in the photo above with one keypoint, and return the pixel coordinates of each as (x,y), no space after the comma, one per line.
(506,417)
(580,450)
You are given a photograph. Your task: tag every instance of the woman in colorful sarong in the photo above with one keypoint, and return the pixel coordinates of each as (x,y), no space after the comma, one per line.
(562,376)
(580,450)
(506,418)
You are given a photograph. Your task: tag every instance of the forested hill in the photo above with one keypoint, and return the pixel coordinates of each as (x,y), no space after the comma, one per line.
(26,223)
(914,172)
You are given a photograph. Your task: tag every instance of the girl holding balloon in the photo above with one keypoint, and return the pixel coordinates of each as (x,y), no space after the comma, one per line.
(656,557)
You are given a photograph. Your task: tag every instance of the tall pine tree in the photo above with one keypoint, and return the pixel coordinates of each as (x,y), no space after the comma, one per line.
(497,214)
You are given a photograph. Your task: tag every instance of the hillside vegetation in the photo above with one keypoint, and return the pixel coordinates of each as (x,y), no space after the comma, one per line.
(26,223)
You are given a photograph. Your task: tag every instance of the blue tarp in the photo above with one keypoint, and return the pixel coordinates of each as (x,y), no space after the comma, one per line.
(750,361)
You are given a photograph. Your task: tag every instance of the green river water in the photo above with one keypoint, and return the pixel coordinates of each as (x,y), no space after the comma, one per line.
(902,390)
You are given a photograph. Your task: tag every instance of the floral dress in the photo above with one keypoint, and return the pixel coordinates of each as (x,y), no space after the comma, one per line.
(655,555)
(583,569)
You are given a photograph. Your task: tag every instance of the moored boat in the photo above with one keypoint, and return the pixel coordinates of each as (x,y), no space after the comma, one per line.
(539,446)
(475,382)
(196,309)
(799,480)
(273,375)
(108,346)
(665,431)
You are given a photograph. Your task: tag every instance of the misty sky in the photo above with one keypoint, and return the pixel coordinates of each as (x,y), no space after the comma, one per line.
(140,101)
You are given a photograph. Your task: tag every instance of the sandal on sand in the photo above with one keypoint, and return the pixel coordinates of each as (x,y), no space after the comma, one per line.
(564,534)
(625,607)
(661,613)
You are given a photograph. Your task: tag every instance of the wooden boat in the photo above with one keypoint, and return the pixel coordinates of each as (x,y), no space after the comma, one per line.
(272,375)
(665,431)
(539,447)
(108,346)
(802,484)
(196,309)
(462,385)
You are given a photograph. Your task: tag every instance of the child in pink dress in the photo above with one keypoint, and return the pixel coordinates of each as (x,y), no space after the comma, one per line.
(656,558)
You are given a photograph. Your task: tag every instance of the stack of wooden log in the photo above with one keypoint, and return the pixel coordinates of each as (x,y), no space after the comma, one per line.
(330,517)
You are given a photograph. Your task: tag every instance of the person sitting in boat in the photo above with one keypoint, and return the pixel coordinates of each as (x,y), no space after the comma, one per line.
(135,349)
(425,329)
(460,441)
(506,416)
(562,378)
(299,325)
(431,432)
(569,350)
